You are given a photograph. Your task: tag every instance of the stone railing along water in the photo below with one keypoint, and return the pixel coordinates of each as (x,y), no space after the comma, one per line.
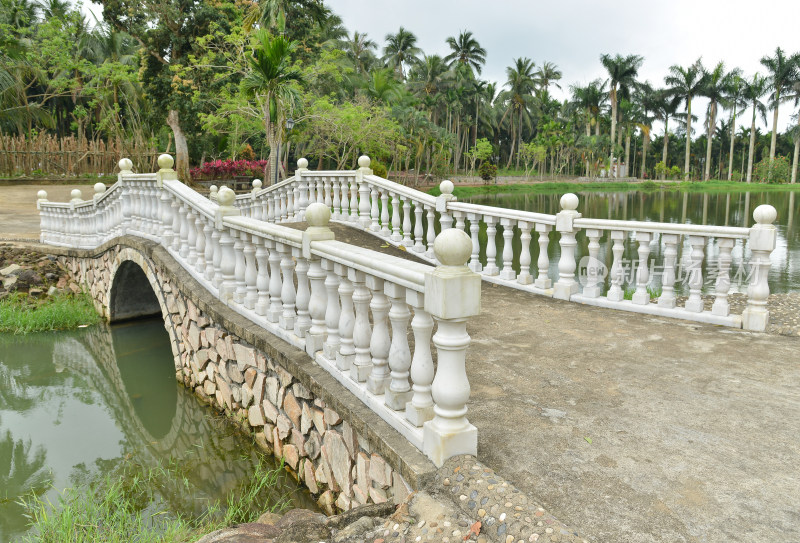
(348,307)
(405,216)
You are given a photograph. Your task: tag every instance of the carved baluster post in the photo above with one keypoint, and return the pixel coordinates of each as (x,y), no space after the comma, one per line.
(208,251)
(507,272)
(183,236)
(453,294)
(320,191)
(288,295)
(45,216)
(474,230)
(566,285)
(200,261)
(615,292)
(284,213)
(227,256)
(723,285)
(364,208)
(216,278)
(379,343)
(354,200)
(347,318)
(398,391)
(524,277)
(431,233)
(641,296)
(667,298)
(762,242)
(395,236)
(362,331)
(191,236)
(419,228)
(250,270)
(303,322)
(344,187)
(491,246)
(445,218)
(695,301)
(336,213)
(318,216)
(262,277)
(271,207)
(239,267)
(275,283)
(420,408)
(327,186)
(332,312)
(407,241)
(167,219)
(594,269)
(302,183)
(255,208)
(375,211)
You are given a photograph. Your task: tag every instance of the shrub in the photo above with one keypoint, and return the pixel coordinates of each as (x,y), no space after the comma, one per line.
(776,171)
(379,169)
(736,176)
(246,152)
(225,169)
(648,185)
(487,171)
(661,169)
(675,172)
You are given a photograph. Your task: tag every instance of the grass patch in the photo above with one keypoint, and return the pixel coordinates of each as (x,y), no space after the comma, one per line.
(22,314)
(617,186)
(130,506)
(654,293)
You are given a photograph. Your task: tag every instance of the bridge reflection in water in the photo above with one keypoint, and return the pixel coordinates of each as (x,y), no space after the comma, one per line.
(77,405)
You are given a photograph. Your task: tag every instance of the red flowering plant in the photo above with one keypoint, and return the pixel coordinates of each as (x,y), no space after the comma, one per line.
(227,169)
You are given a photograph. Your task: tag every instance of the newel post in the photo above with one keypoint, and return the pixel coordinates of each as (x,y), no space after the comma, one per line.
(452,294)
(317,216)
(566,285)
(226,198)
(302,200)
(364,207)
(44,223)
(762,242)
(125,167)
(445,218)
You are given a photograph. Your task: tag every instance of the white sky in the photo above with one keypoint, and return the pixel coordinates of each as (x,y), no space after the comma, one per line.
(574,33)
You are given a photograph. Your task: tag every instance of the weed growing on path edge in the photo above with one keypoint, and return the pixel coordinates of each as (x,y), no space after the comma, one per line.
(22,314)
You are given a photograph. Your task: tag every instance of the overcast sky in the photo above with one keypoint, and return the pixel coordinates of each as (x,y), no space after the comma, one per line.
(574,33)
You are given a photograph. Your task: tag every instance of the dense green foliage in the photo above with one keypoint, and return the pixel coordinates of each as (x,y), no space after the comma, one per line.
(209,79)
(22,314)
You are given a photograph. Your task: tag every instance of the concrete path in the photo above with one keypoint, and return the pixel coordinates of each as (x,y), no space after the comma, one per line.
(19,218)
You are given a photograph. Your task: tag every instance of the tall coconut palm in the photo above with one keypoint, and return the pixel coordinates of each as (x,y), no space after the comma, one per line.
(735,102)
(783,74)
(466,50)
(401,49)
(622,72)
(547,74)
(271,81)
(717,83)
(359,50)
(591,99)
(753,91)
(685,84)
(518,97)
(794,132)
(666,107)
(647,102)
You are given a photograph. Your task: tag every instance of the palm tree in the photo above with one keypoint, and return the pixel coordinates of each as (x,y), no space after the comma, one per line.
(753,91)
(466,50)
(382,87)
(271,82)
(359,50)
(401,48)
(794,132)
(591,99)
(647,101)
(716,87)
(735,101)
(547,74)
(18,13)
(783,74)
(666,107)
(622,72)
(685,84)
(272,13)
(518,97)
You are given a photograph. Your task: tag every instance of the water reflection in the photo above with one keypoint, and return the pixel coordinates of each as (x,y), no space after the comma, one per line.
(694,207)
(77,405)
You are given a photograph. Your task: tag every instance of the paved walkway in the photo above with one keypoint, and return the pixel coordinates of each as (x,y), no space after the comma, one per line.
(19,218)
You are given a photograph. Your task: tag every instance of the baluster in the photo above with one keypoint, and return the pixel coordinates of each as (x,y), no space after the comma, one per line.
(396,236)
(667,298)
(347,318)
(262,277)
(288,296)
(208,250)
(445,221)
(250,271)
(275,284)
(420,408)
(695,302)
(431,234)
(327,190)
(216,278)
(176,226)
(316,307)
(191,236)
(183,251)
(524,277)
(398,393)
(362,331)
(762,243)
(320,192)
(289,203)
(641,296)
(354,200)
(303,204)
(507,272)
(271,207)
(419,229)
(407,241)
(166,219)
(257,210)
(379,344)
(474,229)
(491,246)
(380,217)
(593,288)
(336,211)
(364,208)
(344,188)
(332,312)
(227,266)
(303,322)
(200,261)
(239,267)
(284,209)
(721,306)
(615,292)
(566,285)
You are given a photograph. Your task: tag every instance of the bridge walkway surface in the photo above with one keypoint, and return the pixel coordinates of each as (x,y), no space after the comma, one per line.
(634,428)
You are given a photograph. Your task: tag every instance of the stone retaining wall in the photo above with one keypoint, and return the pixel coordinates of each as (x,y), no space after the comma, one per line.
(327,441)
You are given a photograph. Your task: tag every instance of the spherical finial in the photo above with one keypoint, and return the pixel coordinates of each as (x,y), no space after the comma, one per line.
(226,196)
(213,189)
(41,195)
(99,188)
(165,161)
(569,202)
(125,165)
(452,247)
(318,214)
(302,163)
(364,161)
(765,214)
(76,194)
(257,183)
(446,187)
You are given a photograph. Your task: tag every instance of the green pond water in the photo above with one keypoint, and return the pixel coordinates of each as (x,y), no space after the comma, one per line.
(695,207)
(75,406)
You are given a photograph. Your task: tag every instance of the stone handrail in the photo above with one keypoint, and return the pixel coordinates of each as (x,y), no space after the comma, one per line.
(405,216)
(348,307)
